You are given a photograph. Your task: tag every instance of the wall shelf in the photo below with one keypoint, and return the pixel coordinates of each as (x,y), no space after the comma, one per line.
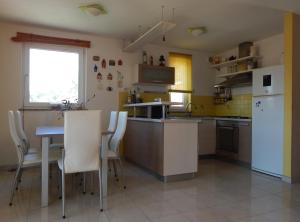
(231,62)
(234,73)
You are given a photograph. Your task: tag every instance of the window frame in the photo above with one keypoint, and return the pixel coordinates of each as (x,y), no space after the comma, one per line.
(26,59)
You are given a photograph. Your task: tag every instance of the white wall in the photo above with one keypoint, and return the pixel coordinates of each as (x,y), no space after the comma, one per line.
(11,83)
(271,50)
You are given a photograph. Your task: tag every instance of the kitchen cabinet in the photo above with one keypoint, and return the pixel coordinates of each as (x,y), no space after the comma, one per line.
(144,144)
(167,148)
(147,74)
(207,137)
(245,141)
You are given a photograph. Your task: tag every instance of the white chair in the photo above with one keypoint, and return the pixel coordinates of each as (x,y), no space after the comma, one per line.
(82,141)
(24,159)
(24,138)
(113,153)
(113,121)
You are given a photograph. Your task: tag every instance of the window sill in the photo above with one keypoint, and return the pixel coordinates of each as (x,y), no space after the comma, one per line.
(36,109)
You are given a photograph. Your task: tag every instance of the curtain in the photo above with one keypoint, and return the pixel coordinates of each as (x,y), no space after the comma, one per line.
(183,70)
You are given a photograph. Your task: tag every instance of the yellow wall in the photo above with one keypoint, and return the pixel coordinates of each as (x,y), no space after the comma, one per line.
(204,105)
(240,105)
(288,49)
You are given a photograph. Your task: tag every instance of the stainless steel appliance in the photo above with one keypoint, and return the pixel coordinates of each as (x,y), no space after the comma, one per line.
(227,138)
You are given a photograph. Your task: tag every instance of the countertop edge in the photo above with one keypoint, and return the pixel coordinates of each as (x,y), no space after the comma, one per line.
(180,120)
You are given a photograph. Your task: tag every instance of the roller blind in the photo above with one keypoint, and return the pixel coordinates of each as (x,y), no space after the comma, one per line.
(183,70)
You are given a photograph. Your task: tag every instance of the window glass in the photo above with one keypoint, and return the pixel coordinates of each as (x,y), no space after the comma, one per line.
(54,75)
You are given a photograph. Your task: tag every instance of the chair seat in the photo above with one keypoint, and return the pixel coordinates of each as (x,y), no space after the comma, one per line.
(32,159)
(56,145)
(33,150)
(112,155)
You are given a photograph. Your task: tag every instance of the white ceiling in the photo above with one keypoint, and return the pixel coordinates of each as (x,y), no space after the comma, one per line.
(228,21)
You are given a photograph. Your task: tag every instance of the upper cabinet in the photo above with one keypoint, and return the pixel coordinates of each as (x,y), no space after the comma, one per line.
(147,74)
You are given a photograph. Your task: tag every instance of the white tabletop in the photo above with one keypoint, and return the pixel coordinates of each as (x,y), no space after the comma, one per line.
(49,130)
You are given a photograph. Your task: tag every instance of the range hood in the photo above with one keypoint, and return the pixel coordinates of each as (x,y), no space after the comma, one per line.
(240,80)
(157,30)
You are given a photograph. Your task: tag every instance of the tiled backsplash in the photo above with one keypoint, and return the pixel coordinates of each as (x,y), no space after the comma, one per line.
(240,105)
(204,105)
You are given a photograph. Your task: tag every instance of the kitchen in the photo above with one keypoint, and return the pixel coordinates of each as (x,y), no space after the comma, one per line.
(228,137)
(211,94)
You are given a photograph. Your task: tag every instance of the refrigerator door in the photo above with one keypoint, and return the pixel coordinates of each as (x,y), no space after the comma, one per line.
(268,81)
(267,134)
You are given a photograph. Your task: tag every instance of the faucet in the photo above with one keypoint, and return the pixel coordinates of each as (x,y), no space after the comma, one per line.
(187,111)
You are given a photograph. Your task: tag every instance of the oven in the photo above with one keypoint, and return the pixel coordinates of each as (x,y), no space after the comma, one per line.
(227,134)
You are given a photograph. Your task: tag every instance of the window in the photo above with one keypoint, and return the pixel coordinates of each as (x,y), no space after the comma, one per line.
(181,90)
(53,74)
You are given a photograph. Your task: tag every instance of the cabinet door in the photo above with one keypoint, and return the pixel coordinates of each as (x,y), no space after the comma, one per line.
(207,137)
(245,142)
(156,74)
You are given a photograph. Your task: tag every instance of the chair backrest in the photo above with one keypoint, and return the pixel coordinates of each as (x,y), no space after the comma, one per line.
(119,133)
(20,130)
(82,140)
(14,135)
(113,121)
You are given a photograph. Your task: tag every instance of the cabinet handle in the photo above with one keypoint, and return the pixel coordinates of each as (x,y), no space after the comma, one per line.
(244,124)
(157,81)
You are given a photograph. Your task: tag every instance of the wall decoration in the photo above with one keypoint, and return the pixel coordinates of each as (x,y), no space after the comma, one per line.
(96,58)
(120,62)
(120,79)
(95,68)
(99,76)
(103,63)
(112,62)
(109,76)
(99,81)
(162,61)
(151,60)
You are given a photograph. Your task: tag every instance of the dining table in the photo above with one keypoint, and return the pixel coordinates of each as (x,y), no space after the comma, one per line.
(46,133)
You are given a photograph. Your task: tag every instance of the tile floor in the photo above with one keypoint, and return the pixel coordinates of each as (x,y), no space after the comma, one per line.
(220,192)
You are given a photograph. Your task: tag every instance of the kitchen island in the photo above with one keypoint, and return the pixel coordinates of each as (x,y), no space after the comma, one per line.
(165,147)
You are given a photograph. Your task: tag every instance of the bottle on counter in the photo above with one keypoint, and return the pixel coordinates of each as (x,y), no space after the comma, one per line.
(133,97)
(129,101)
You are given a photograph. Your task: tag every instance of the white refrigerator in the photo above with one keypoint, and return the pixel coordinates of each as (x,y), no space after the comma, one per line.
(267,120)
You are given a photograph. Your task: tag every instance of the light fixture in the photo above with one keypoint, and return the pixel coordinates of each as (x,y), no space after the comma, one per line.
(160,29)
(197,31)
(93,9)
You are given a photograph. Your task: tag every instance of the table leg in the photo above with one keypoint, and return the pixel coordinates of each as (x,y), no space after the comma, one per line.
(104,170)
(45,169)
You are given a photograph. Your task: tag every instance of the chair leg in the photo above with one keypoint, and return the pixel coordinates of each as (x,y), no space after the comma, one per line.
(122,173)
(115,170)
(84,184)
(63,193)
(50,171)
(19,178)
(100,190)
(92,183)
(15,184)
(60,184)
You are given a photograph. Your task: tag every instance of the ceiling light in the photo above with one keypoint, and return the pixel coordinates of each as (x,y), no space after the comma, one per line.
(93,9)
(197,31)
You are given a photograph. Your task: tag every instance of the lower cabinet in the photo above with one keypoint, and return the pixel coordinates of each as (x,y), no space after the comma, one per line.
(207,137)
(144,144)
(245,142)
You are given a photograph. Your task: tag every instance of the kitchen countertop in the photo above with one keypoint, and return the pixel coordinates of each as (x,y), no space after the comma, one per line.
(189,119)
